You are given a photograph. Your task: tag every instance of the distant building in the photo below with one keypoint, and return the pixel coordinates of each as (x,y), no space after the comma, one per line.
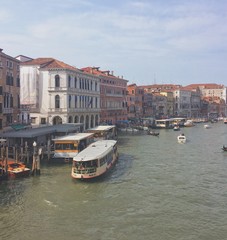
(212,92)
(9,90)
(135,101)
(113,105)
(54,92)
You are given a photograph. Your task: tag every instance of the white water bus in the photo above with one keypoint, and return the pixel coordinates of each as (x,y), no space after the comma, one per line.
(95,160)
(66,147)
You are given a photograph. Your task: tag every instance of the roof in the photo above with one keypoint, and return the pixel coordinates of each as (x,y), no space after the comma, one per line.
(48,63)
(101,128)
(96,71)
(95,150)
(74,137)
(36,132)
(206,86)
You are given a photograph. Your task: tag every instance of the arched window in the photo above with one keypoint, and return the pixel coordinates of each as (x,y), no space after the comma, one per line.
(57,101)
(57,81)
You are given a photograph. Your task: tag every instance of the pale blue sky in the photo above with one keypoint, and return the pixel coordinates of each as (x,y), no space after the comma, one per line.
(146,42)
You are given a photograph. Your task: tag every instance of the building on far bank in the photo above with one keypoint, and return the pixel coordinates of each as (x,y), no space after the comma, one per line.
(9,90)
(54,93)
(113,105)
(135,101)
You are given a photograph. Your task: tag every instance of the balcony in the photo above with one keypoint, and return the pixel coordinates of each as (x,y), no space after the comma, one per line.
(7,110)
(73,110)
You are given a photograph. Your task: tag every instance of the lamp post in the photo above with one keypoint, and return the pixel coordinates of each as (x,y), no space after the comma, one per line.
(36,160)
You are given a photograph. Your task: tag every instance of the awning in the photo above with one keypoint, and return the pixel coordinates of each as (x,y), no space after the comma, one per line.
(18,126)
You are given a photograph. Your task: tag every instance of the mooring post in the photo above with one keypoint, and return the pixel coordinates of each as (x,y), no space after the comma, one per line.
(48,149)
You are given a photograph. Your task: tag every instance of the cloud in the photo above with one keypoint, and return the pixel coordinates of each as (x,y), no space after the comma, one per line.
(123,34)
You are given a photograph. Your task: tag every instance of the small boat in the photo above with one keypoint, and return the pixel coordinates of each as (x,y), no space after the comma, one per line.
(181,138)
(176,128)
(17,169)
(207,126)
(224,148)
(149,132)
(225,120)
(95,160)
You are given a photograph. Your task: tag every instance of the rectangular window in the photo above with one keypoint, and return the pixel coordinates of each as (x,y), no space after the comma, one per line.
(43,120)
(33,120)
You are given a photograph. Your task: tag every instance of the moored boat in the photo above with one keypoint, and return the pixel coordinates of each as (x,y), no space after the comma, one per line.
(189,123)
(95,160)
(66,147)
(17,169)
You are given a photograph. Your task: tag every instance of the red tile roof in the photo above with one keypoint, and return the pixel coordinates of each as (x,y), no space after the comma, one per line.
(205,85)
(48,63)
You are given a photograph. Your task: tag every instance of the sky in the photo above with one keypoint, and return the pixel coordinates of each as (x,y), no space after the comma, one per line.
(144,41)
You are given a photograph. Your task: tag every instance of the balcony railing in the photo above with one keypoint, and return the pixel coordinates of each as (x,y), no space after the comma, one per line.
(73,110)
(7,110)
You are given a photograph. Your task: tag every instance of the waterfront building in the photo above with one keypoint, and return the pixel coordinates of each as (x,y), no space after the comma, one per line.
(135,101)
(182,105)
(148,108)
(113,105)
(9,90)
(159,105)
(55,93)
(169,102)
(196,97)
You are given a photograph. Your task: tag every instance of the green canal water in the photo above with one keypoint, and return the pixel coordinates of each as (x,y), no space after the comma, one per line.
(158,190)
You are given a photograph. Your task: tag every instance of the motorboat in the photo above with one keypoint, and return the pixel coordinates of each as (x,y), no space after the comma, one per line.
(149,132)
(176,128)
(17,169)
(181,138)
(207,126)
(224,148)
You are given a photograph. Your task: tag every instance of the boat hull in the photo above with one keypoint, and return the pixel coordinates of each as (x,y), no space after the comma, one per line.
(98,173)
(19,173)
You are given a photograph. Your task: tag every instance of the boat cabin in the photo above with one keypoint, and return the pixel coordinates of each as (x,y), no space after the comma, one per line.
(66,147)
(103,132)
(169,123)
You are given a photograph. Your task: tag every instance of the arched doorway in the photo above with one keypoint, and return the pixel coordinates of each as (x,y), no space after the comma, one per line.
(82,121)
(70,120)
(87,122)
(92,121)
(57,120)
(96,120)
(76,119)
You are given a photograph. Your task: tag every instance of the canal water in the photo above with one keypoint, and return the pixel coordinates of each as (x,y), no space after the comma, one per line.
(158,190)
